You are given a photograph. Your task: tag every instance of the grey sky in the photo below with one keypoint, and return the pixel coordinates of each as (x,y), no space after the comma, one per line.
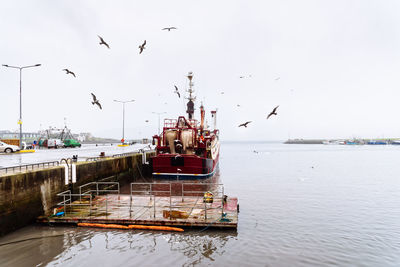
(338,64)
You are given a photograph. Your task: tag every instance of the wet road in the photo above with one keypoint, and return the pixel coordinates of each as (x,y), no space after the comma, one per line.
(84,152)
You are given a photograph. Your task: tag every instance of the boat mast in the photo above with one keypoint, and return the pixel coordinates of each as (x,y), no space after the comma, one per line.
(191,98)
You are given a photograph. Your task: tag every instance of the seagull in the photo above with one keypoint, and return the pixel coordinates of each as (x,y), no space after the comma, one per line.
(276,79)
(238,105)
(244,124)
(102,42)
(69,72)
(222,93)
(169,28)
(95,101)
(255,151)
(141,47)
(273,112)
(177,91)
(146,120)
(241,77)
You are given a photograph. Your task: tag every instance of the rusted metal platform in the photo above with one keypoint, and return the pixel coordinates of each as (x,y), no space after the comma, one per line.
(158,206)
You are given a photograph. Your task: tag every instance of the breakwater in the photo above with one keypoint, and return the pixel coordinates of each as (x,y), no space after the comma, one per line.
(355,141)
(304,141)
(26,195)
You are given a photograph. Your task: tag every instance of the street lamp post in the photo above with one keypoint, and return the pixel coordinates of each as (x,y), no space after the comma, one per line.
(20,96)
(123,116)
(159,113)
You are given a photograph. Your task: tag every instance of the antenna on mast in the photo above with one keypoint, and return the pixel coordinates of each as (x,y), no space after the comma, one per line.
(191,98)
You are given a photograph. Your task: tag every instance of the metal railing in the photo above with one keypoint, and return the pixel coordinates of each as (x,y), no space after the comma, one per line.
(96,158)
(153,190)
(150,192)
(98,190)
(68,201)
(125,154)
(217,193)
(27,167)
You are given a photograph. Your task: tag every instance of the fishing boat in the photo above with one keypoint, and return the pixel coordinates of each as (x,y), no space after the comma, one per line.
(186,149)
(377,142)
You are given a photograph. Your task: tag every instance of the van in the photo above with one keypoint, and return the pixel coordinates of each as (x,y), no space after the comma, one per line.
(54,143)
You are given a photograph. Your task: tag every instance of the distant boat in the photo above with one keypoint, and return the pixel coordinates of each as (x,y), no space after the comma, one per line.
(332,142)
(377,142)
(352,143)
(329,142)
(397,142)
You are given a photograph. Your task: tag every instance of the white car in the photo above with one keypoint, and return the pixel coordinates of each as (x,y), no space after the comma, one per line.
(8,148)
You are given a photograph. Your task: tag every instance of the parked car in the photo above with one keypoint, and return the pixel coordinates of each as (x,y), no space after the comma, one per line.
(4,147)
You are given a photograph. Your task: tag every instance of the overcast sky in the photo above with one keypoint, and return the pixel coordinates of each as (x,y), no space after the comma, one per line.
(331,66)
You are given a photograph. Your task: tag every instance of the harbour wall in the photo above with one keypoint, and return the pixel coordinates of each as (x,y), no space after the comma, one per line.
(25,196)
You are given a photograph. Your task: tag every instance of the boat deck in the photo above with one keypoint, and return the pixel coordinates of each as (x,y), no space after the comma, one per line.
(181,211)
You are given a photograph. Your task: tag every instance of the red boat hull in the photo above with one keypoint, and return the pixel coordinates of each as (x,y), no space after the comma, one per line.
(173,166)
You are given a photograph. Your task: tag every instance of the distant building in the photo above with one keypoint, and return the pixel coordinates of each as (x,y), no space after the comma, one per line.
(5,134)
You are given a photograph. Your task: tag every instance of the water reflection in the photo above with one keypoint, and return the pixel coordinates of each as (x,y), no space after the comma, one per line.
(189,248)
(198,246)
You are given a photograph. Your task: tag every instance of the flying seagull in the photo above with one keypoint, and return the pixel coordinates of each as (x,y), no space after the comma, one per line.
(273,112)
(146,120)
(241,77)
(102,42)
(244,124)
(169,28)
(238,105)
(276,79)
(141,47)
(69,72)
(177,91)
(95,101)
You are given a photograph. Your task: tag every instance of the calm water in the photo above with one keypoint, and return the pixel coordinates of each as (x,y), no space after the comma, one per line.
(300,205)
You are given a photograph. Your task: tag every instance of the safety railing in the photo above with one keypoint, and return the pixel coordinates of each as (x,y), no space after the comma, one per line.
(68,201)
(99,188)
(95,158)
(217,191)
(149,190)
(125,154)
(169,190)
(27,167)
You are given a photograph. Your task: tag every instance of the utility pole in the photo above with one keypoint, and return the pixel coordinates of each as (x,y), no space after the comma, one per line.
(123,117)
(159,113)
(20,96)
